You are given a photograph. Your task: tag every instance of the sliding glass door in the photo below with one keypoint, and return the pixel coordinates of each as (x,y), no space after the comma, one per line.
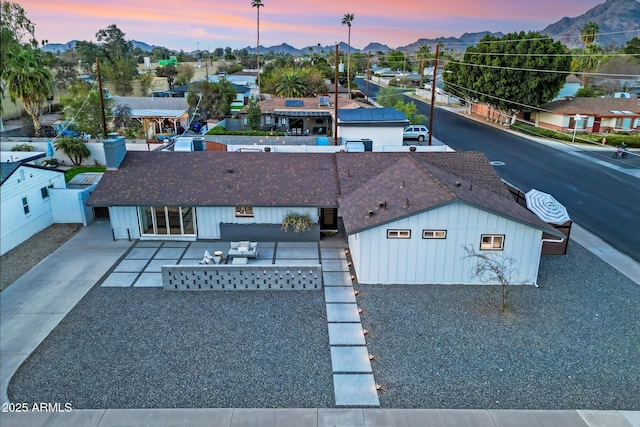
(167,221)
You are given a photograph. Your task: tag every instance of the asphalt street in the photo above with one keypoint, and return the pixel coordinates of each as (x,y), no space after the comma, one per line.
(601,199)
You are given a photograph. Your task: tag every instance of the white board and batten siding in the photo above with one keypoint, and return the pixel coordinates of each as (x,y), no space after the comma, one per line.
(124,218)
(381,260)
(208,219)
(26,182)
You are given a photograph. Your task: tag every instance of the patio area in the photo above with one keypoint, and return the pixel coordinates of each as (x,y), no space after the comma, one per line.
(142,265)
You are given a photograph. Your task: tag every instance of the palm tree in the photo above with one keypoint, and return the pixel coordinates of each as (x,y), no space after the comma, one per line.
(290,84)
(424,51)
(346,20)
(258,4)
(75,149)
(588,35)
(29,80)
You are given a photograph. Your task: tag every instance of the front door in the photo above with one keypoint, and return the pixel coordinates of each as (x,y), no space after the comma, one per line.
(328,219)
(596,125)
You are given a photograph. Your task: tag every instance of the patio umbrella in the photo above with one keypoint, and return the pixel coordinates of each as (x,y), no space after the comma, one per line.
(546,207)
(50,148)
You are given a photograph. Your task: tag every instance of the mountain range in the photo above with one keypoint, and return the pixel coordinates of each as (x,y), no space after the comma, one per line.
(618,20)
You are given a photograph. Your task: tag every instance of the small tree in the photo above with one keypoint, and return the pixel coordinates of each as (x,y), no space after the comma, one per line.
(254,114)
(492,268)
(75,149)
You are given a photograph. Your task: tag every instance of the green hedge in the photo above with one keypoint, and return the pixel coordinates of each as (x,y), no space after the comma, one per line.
(613,139)
(220,130)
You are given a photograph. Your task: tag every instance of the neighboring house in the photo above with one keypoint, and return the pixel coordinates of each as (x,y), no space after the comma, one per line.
(25,201)
(408,216)
(378,127)
(301,116)
(597,115)
(157,115)
(571,86)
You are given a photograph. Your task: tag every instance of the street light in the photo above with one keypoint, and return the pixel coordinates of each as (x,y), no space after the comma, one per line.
(576,119)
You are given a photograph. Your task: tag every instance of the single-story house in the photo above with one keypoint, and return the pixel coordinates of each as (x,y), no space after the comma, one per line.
(377,126)
(408,216)
(157,114)
(25,201)
(597,115)
(301,116)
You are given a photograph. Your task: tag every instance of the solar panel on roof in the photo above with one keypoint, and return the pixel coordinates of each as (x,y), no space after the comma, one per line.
(293,103)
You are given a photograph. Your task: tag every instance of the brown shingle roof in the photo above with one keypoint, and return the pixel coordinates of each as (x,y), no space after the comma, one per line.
(601,107)
(219,179)
(416,182)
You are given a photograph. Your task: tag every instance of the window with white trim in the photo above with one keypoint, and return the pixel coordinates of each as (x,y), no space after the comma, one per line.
(25,205)
(492,242)
(244,211)
(398,234)
(434,234)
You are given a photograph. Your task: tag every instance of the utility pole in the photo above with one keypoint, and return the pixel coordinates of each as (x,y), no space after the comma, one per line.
(368,73)
(335,113)
(104,119)
(433,93)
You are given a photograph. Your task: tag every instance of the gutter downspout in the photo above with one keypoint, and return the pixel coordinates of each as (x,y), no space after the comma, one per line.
(535,282)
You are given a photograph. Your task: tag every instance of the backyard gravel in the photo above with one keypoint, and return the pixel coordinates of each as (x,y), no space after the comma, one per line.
(573,343)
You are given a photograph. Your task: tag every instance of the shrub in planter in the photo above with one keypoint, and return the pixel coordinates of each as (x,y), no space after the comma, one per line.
(299,222)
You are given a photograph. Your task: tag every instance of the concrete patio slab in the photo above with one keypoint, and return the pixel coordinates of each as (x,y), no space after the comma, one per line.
(155,265)
(149,280)
(169,253)
(131,266)
(343,313)
(339,294)
(119,280)
(141,253)
(355,390)
(149,244)
(175,244)
(350,359)
(301,262)
(336,278)
(190,261)
(332,253)
(335,265)
(253,417)
(307,245)
(296,253)
(346,334)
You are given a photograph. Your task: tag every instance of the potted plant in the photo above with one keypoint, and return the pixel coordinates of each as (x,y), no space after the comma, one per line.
(297,221)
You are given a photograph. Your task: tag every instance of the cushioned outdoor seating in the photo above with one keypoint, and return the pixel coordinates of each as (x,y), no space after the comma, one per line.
(243,249)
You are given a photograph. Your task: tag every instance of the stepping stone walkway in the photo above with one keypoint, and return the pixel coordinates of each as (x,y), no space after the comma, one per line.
(353,380)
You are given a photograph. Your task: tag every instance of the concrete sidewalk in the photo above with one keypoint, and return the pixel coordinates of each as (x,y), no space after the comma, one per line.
(303,417)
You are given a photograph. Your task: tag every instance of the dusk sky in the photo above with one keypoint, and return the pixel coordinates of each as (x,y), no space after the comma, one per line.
(184,24)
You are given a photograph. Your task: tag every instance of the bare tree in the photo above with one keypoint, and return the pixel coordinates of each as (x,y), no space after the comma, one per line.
(493,268)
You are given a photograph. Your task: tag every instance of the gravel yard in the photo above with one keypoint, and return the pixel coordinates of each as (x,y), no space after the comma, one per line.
(23,257)
(572,343)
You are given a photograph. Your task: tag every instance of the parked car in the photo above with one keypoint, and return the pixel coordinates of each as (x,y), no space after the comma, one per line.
(419,132)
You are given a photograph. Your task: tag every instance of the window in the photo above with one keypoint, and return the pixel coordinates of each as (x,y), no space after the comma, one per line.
(434,234)
(25,205)
(244,211)
(580,124)
(623,123)
(166,220)
(398,234)
(492,242)
(45,192)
